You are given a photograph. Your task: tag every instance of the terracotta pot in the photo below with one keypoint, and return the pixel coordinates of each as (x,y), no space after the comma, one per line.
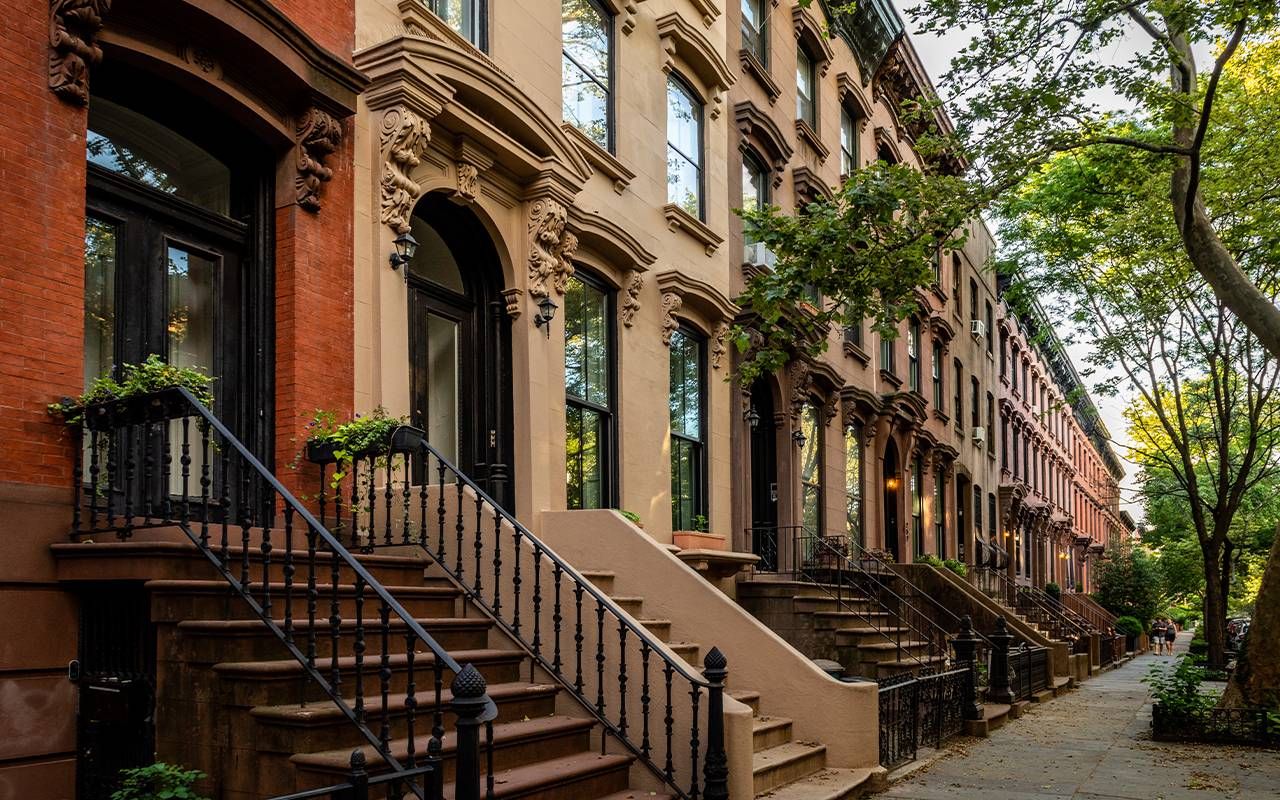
(697,540)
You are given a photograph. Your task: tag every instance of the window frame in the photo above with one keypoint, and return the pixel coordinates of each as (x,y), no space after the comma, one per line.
(609,447)
(853,443)
(761,51)
(480,20)
(812,407)
(853,155)
(612,64)
(812,119)
(699,479)
(888,356)
(939,393)
(913,355)
(686,88)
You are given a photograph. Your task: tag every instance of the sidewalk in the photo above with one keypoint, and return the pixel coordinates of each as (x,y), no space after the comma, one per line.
(1095,744)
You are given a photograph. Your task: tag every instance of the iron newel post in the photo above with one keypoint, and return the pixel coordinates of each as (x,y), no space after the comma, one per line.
(716,767)
(998,691)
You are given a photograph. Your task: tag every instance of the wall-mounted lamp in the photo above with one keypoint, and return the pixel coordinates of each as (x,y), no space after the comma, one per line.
(406,246)
(753,417)
(891,484)
(799,438)
(546,312)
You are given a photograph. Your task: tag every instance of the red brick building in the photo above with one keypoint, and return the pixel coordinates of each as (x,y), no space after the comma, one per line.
(176,179)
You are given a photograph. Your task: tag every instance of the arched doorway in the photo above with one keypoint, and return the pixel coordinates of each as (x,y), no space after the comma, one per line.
(764,475)
(460,344)
(892,481)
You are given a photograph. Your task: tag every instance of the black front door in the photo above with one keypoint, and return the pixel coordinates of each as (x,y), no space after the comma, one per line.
(459,345)
(764,476)
(892,486)
(116,673)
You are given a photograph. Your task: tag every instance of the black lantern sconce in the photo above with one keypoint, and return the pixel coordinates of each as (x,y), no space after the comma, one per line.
(406,246)
(546,312)
(799,438)
(753,417)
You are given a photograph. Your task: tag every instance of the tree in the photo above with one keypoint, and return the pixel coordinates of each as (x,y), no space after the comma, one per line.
(1128,583)
(1028,86)
(1087,235)
(1256,680)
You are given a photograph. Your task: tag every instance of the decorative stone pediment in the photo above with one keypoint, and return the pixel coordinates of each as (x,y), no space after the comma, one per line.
(852,96)
(699,298)
(810,187)
(683,44)
(73,46)
(760,130)
(319,134)
(613,243)
(810,35)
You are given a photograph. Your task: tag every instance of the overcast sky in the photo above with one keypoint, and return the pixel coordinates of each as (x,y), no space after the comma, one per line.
(936,53)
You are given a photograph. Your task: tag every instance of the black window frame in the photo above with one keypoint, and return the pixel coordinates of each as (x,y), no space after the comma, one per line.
(801,50)
(481,22)
(854,155)
(609,427)
(761,37)
(610,106)
(913,358)
(699,478)
(958,398)
(939,395)
(680,82)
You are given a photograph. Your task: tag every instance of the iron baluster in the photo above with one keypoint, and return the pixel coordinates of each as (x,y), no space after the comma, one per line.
(354,508)
(537,601)
(406,496)
(669,721)
(478,585)
(435,744)
(410,695)
(128,482)
(422,504)
(578,638)
(458,529)
(161,484)
(695,694)
(358,646)
(600,656)
(313,597)
(515,582)
(645,746)
(497,561)
(242,506)
(622,678)
(113,443)
(556,619)
(288,573)
(384,679)
(94,478)
(440,512)
(265,548)
(339,525)
(184,464)
(148,470)
(335,622)
(387,494)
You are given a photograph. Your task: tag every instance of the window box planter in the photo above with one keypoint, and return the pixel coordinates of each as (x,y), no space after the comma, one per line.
(697,540)
(158,406)
(404,440)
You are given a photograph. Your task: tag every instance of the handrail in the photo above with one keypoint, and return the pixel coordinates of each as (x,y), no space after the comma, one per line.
(480,530)
(1013,594)
(161,496)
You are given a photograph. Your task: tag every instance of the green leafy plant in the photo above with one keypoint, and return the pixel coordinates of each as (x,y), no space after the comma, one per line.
(1053,590)
(151,375)
(958,567)
(1129,626)
(700,523)
(360,436)
(159,781)
(1177,690)
(630,516)
(930,559)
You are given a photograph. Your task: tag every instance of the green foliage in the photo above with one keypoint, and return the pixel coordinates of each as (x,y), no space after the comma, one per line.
(630,516)
(1177,690)
(866,250)
(159,781)
(1129,626)
(361,436)
(1128,583)
(930,559)
(152,375)
(1184,617)
(958,567)
(700,523)
(1053,590)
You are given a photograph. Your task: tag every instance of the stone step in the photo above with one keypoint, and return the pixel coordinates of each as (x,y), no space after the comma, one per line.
(770,732)
(832,620)
(691,652)
(314,727)
(860,635)
(827,784)
(602,579)
(660,628)
(785,763)
(176,600)
(635,794)
(809,605)
(215,641)
(767,587)
(889,669)
(892,651)
(581,775)
(747,697)
(517,743)
(255,683)
(631,605)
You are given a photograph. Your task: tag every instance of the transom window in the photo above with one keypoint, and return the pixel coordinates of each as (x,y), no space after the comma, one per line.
(755,29)
(464,16)
(848,142)
(587,70)
(684,147)
(687,402)
(806,89)
(811,469)
(588,382)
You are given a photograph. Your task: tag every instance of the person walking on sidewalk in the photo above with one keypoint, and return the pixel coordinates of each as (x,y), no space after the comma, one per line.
(1157,635)
(1170,634)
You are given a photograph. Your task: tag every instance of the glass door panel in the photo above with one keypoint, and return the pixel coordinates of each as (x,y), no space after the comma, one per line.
(440,415)
(191,281)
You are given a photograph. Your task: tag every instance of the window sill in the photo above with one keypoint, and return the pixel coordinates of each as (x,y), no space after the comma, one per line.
(891,379)
(941,416)
(854,351)
(679,219)
(938,293)
(602,160)
(810,137)
(757,70)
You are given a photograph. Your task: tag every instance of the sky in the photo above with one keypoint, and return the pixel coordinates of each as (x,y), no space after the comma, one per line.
(935,54)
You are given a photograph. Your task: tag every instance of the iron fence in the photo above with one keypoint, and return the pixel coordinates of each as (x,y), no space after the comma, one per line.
(1028,671)
(922,710)
(1238,726)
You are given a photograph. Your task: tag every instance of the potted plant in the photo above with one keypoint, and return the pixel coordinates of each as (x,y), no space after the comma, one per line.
(159,781)
(699,538)
(372,436)
(958,567)
(145,392)
(631,516)
(1053,590)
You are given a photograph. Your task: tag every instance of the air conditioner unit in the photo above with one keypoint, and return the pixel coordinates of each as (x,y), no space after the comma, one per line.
(978,328)
(759,255)
(979,435)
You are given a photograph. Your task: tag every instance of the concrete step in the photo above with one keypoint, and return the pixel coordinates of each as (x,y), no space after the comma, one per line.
(631,605)
(858,635)
(216,641)
(833,620)
(747,697)
(660,628)
(770,732)
(785,763)
(176,600)
(826,784)
(581,775)
(691,652)
(602,579)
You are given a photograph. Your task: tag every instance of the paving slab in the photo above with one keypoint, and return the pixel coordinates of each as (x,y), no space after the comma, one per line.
(1094,743)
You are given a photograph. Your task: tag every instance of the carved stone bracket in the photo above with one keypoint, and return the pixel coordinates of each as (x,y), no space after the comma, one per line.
(319,134)
(801,383)
(404,137)
(631,297)
(671,303)
(468,180)
(831,408)
(73,31)
(719,345)
(551,248)
(512,298)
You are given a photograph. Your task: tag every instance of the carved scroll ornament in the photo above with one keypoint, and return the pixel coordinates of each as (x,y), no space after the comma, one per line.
(404,137)
(719,345)
(631,298)
(319,134)
(73,30)
(551,248)
(671,303)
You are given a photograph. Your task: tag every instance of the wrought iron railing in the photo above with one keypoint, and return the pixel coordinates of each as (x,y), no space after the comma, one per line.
(1099,618)
(922,710)
(1033,604)
(1239,726)
(163,460)
(1029,671)
(668,715)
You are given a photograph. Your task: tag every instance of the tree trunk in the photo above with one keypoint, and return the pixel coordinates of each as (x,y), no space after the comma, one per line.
(1256,681)
(1215,605)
